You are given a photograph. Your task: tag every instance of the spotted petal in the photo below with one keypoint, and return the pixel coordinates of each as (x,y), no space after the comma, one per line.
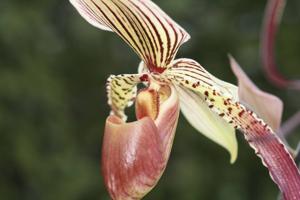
(153,35)
(185,73)
(121,91)
(259,135)
(196,111)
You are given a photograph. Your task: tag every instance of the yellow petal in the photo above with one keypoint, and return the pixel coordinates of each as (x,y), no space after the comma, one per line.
(197,113)
(121,91)
(193,83)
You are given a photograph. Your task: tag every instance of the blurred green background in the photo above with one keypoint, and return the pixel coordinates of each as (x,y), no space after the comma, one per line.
(53,68)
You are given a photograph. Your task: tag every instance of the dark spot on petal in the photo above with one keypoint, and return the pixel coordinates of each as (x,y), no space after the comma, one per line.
(241,113)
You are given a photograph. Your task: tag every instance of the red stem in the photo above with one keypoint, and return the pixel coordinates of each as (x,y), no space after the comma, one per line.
(271,23)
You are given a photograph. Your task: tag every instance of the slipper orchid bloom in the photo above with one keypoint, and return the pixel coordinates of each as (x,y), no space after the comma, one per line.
(135,154)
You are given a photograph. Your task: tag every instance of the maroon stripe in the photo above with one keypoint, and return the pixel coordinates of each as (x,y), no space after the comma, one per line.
(126,81)
(153,26)
(187,70)
(169,22)
(116,83)
(161,44)
(142,31)
(153,48)
(195,67)
(175,46)
(135,29)
(187,61)
(127,31)
(184,63)
(188,65)
(91,13)
(138,50)
(112,26)
(155,30)
(100,18)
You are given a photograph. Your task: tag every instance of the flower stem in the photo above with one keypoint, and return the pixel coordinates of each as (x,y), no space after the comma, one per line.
(272,18)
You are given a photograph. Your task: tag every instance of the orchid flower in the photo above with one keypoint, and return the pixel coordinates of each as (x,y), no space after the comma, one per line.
(135,154)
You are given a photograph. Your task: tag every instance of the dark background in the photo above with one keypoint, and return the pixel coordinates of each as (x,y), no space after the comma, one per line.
(53,68)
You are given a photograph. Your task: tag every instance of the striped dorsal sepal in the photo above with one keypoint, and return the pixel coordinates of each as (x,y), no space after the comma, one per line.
(152,34)
(121,92)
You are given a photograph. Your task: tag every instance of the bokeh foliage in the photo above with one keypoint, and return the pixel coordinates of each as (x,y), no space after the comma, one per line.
(53,68)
